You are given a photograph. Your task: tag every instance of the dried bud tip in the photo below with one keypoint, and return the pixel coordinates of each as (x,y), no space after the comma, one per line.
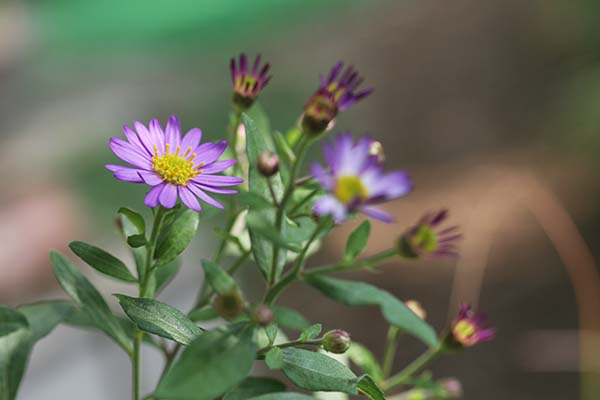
(416,307)
(337,341)
(268,163)
(229,305)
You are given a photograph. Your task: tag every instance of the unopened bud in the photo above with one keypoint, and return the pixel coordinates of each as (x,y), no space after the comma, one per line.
(229,305)
(262,315)
(268,163)
(452,388)
(416,307)
(337,341)
(376,149)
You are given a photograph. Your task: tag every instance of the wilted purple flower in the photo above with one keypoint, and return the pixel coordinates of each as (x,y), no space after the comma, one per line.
(172,165)
(355,180)
(470,328)
(336,93)
(426,238)
(248,83)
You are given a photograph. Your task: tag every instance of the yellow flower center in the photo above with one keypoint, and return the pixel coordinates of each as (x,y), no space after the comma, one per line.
(242,81)
(463,331)
(426,239)
(349,188)
(336,90)
(175,168)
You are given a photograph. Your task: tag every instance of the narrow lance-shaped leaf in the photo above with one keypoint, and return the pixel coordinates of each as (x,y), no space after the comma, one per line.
(289,318)
(11,320)
(283,396)
(365,360)
(363,294)
(317,372)
(260,227)
(274,358)
(357,241)
(254,386)
(217,278)
(175,237)
(86,296)
(133,224)
(368,387)
(160,319)
(258,141)
(226,359)
(311,332)
(102,261)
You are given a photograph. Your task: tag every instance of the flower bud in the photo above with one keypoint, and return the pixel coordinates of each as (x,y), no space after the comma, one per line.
(468,329)
(416,307)
(247,81)
(262,315)
(268,163)
(426,238)
(337,341)
(229,305)
(452,388)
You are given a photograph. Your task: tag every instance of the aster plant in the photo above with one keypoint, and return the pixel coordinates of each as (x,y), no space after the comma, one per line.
(211,349)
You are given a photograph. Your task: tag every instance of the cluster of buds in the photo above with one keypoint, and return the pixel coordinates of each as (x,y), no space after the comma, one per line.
(426,238)
(336,93)
(468,329)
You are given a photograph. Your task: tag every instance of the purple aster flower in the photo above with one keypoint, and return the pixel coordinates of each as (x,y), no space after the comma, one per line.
(173,166)
(248,82)
(336,93)
(427,238)
(469,328)
(355,180)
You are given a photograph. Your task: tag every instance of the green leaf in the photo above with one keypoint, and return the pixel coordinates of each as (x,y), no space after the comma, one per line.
(260,227)
(357,241)
(362,294)
(209,366)
(86,296)
(133,224)
(11,320)
(369,388)
(258,141)
(365,360)
(252,386)
(271,331)
(102,261)
(205,313)
(283,148)
(317,372)
(175,237)
(159,318)
(283,396)
(15,347)
(136,241)
(274,358)
(289,318)
(311,332)
(166,273)
(217,278)
(302,231)
(253,200)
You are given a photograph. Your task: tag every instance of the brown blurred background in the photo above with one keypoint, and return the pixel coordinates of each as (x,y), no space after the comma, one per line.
(491,106)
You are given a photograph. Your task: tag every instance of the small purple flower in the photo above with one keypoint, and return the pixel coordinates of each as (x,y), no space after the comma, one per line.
(336,93)
(173,166)
(355,180)
(470,328)
(248,83)
(426,238)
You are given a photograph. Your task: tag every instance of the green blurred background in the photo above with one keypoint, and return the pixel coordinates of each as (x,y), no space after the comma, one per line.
(491,106)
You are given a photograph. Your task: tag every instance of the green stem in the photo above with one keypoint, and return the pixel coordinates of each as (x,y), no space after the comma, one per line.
(368,262)
(402,377)
(294,274)
(303,201)
(302,147)
(391,346)
(295,343)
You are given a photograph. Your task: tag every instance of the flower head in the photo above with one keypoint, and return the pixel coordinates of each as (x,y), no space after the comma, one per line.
(336,93)
(469,328)
(173,166)
(337,341)
(426,237)
(248,83)
(355,180)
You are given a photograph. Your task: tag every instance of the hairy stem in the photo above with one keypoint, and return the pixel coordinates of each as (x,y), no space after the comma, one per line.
(368,262)
(294,343)
(402,377)
(391,346)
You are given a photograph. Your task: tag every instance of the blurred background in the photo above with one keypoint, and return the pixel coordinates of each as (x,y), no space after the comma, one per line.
(491,107)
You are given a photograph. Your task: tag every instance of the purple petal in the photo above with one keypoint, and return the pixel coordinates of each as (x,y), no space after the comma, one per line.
(151,178)
(218,166)
(322,176)
(233,70)
(188,198)
(147,138)
(151,199)
(168,196)
(217,180)
(128,175)
(209,152)
(127,153)
(173,133)
(157,135)
(389,186)
(134,140)
(377,214)
(216,190)
(191,140)
(243,63)
(334,72)
(329,205)
(203,196)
